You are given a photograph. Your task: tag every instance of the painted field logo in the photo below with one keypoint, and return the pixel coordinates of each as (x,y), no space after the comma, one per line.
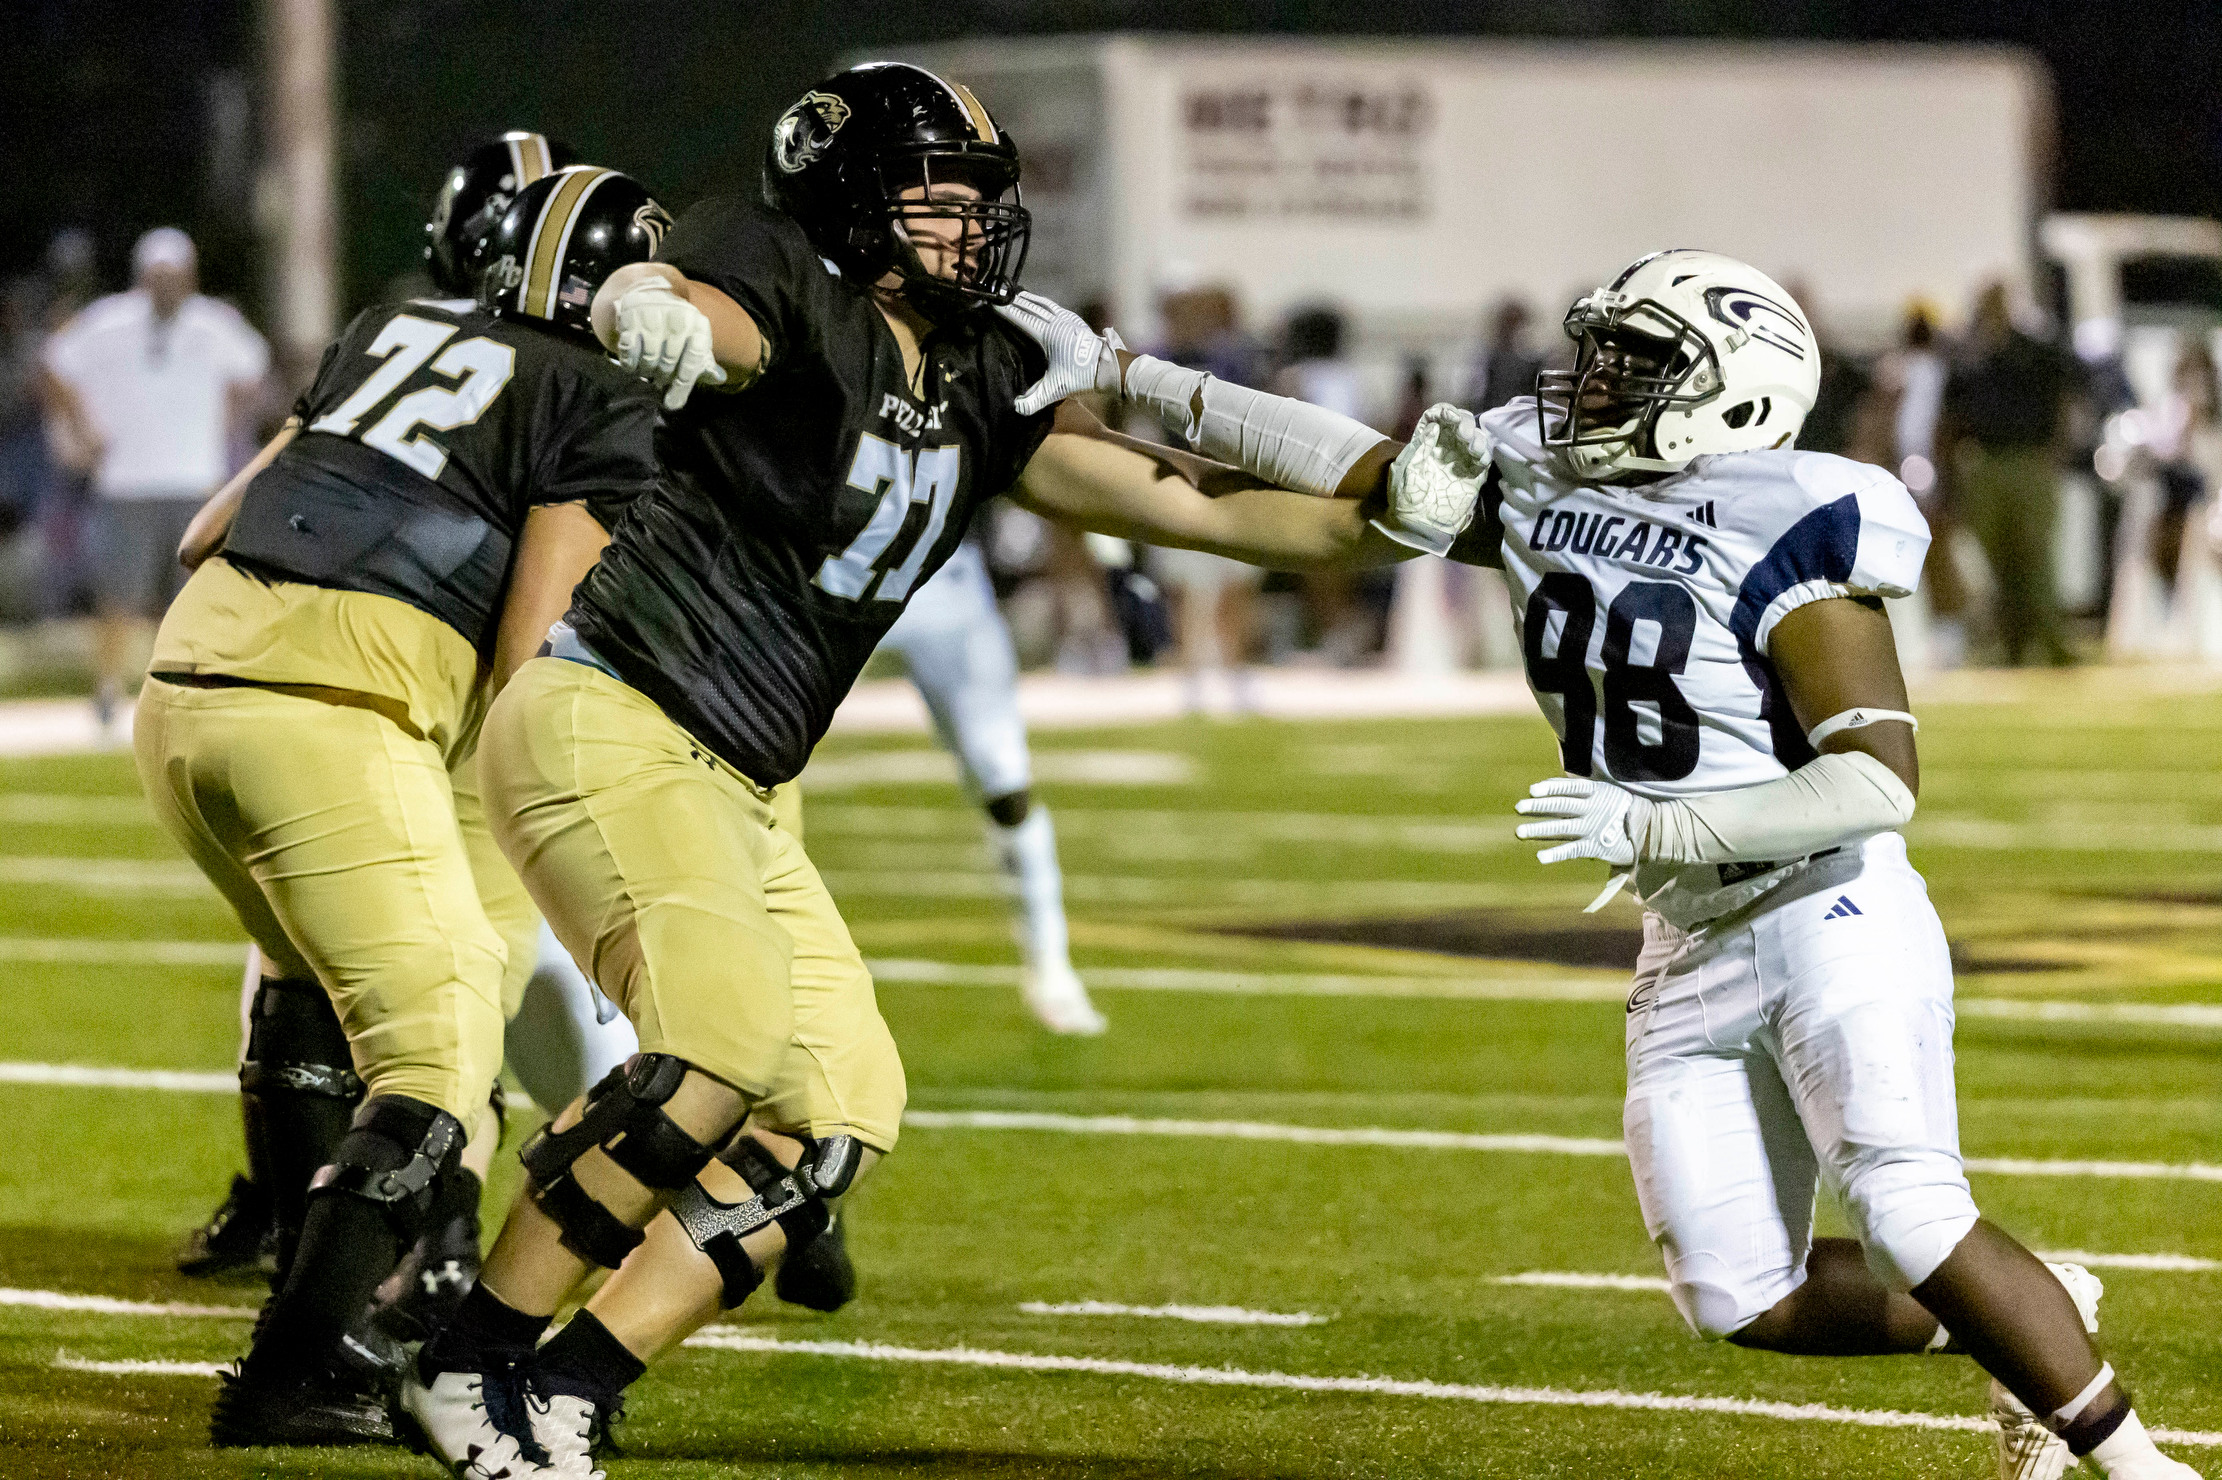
(1764,319)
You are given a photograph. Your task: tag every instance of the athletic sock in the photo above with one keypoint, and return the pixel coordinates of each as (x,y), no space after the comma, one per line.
(2128,1442)
(584,1360)
(1029,856)
(347,1248)
(487,1333)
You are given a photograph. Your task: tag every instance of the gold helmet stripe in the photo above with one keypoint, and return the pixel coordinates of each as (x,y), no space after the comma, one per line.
(551,238)
(529,157)
(982,125)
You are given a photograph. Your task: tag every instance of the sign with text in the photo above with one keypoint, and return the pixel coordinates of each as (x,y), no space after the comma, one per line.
(1343,146)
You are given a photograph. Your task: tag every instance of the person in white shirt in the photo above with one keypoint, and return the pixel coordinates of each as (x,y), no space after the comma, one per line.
(144,389)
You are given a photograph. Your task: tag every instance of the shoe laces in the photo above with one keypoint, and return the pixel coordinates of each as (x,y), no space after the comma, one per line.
(501,1395)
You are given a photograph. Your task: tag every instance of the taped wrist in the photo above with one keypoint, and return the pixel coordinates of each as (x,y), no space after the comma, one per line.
(787,1198)
(1291,444)
(623,1117)
(1828,801)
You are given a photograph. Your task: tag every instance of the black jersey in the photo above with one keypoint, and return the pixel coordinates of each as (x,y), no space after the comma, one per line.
(796,516)
(429,431)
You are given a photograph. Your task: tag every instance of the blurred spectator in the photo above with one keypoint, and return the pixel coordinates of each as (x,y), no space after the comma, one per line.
(2187,452)
(1506,365)
(1213,598)
(1834,423)
(1909,396)
(144,389)
(2005,410)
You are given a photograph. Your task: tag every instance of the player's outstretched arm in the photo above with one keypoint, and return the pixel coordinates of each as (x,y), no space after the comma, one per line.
(675,332)
(557,547)
(1088,476)
(205,535)
(1840,666)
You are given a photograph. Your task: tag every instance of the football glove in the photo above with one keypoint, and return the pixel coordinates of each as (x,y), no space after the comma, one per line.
(665,340)
(1599,819)
(1435,480)
(1080,359)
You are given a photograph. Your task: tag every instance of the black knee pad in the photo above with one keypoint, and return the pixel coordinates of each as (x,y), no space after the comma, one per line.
(624,1118)
(394,1155)
(295,1043)
(789,1199)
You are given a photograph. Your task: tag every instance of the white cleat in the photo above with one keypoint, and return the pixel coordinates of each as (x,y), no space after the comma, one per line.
(2027,1450)
(475,1439)
(564,1426)
(1060,1002)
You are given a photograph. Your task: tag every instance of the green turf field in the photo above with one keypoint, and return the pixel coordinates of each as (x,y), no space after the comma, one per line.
(2071,830)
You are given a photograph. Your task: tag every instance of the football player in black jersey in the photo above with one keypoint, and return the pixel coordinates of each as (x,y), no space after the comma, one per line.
(447,477)
(292,1121)
(871,404)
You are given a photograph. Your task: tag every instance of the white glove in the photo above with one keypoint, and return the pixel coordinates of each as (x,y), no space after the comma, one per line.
(1079,358)
(1602,820)
(1435,481)
(665,340)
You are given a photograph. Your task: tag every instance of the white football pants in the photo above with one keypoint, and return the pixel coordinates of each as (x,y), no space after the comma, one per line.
(1809,1037)
(959,653)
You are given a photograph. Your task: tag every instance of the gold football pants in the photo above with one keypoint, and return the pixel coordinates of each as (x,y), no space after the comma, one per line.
(332,833)
(669,877)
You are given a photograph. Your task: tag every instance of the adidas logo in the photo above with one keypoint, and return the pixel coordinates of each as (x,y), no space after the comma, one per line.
(1843,909)
(1703,514)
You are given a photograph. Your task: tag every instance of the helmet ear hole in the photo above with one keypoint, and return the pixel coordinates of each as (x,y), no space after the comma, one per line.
(1738,417)
(1766,406)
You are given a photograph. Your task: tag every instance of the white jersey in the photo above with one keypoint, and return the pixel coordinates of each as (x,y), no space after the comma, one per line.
(1645,612)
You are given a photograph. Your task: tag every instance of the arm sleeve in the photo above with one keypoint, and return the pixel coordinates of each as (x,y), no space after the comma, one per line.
(1861,536)
(605,457)
(1835,799)
(757,258)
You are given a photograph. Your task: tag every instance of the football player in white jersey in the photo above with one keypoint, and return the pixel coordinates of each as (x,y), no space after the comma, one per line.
(959,654)
(1700,609)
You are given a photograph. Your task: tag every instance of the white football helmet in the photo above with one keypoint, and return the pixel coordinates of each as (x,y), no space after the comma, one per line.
(1685,353)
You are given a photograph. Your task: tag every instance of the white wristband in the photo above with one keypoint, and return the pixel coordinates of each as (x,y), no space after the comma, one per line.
(1291,444)
(1853,719)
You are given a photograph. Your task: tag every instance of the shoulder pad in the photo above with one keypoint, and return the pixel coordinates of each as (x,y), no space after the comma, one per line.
(1829,527)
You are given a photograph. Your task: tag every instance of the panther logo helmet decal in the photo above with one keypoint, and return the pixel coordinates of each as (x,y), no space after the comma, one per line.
(805,131)
(654,220)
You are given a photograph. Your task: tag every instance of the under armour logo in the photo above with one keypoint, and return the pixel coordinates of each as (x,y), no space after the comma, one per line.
(1703,514)
(450,1272)
(1843,909)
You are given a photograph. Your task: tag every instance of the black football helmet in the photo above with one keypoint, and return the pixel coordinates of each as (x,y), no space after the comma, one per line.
(842,156)
(560,238)
(473,197)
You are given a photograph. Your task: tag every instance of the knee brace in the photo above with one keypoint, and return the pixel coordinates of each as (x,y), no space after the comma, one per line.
(789,1199)
(394,1155)
(625,1119)
(295,1042)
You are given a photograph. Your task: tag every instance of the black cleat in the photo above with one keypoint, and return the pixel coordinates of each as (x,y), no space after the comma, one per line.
(238,1234)
(428,1286)
(819,1275)
(322,1411)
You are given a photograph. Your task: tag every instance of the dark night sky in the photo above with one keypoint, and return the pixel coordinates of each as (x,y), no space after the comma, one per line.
(111,101)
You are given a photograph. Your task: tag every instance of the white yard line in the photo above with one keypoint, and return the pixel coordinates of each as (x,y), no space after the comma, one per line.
(140,1369)
(2172,1263)
(74,809)
(2147,1014)
(1209,1315)
(1268,983)
(1160,889)
(88,1076)
(1246,1130)
(109,1305)
(105,875)
(85,951)
(1568,1280)
(1235,1377)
